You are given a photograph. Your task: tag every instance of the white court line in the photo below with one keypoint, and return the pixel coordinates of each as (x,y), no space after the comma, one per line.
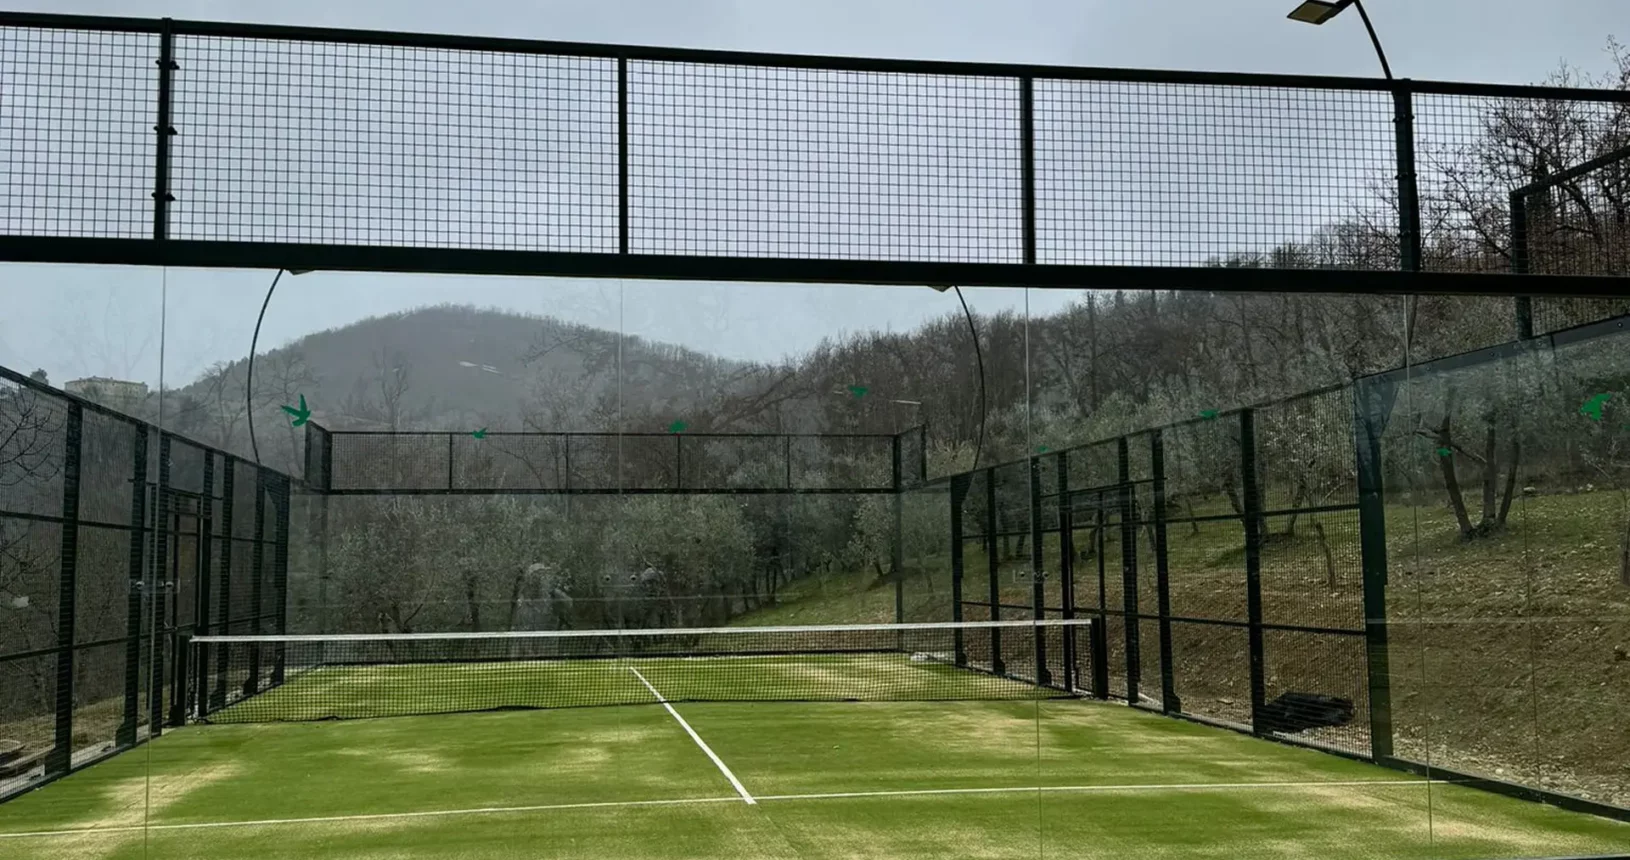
(1031,789)
(486,810)
(615,804)
(740,789)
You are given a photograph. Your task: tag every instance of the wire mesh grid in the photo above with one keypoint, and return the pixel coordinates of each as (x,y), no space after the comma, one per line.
(1473,152)
(1132,173)
(812,163)
(299,141)
(77,127)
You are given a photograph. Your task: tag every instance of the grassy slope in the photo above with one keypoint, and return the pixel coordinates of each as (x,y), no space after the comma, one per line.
(1510,655)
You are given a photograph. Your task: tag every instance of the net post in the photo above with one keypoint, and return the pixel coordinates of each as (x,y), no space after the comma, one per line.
(1038,585)
(180,687)
(1372,403)
(60,759)
(993,571)
(1129,569)
(449,461)
(1253,564)
(1098,635)
(126,734)
(959,494)
(1157,465)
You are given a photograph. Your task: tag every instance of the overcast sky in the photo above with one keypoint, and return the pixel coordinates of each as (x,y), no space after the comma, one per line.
(94,321)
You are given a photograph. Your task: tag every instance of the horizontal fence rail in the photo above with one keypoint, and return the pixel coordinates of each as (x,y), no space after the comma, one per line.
(161,142)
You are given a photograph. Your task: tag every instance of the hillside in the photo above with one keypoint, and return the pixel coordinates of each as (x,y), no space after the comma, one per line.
(445,367)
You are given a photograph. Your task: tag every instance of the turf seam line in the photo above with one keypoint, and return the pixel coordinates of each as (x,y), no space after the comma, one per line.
(740,789)
(1193,786)
(685,801)
(432,813)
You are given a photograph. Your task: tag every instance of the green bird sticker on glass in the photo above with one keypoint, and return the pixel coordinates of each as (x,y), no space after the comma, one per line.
(1208,414)
(300,415)
(480,434)
(1593,407)
(1444,452)
(677,427)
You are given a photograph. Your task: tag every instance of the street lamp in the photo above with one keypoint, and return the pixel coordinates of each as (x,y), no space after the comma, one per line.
(1320,11)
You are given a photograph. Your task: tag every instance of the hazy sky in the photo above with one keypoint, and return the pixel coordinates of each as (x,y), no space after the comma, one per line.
(96,321)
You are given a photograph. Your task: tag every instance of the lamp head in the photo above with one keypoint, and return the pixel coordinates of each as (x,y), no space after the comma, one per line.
(1318,11)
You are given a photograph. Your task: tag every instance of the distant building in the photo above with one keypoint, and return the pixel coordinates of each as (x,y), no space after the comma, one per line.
(119,394)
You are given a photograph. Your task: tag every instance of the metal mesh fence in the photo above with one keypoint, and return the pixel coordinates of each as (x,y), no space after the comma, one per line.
(77,128)
(109,535)
(496,463)
(393,145)
(534,157)
(787,162)
(1142,173)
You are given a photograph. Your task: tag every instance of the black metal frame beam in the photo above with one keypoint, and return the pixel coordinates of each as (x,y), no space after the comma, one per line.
(788,270)
(797,61)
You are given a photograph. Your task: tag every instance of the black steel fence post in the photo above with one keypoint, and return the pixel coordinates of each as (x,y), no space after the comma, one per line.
(158,585)
(280,571)
(1129,570)
(1253,563)
(1066,573)
(897,546)
(163,130)
(622,155)
(1372,406)
(959,495)
(322,520)
(199,667)
(60,759)
(126,734)
(1038,581)
(1409,204)
(993,570)
(1027,165)
(449,461)
(217,697)
(1157,464)
(257,584)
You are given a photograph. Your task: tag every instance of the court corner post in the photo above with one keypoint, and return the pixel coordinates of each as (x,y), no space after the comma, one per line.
(1252,492)
(1372,404)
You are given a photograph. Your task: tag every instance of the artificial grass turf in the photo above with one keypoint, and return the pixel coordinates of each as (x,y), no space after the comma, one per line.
(1109,771)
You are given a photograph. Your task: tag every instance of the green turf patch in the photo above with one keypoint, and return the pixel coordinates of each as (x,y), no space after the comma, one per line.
(866,779)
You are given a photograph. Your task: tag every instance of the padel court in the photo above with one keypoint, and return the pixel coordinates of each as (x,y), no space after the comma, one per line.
(907,764)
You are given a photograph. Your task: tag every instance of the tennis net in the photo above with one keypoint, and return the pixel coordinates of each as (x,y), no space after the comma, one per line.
(314,677)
